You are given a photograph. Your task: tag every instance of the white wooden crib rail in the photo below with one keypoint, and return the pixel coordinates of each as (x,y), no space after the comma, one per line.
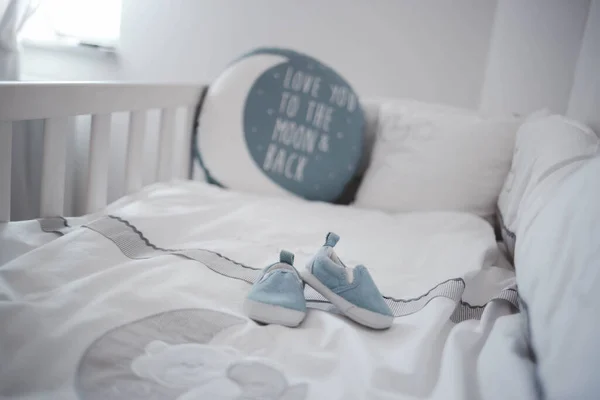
(55,103)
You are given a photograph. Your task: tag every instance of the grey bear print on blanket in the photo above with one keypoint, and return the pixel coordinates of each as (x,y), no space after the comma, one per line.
(213,372)
(175,355)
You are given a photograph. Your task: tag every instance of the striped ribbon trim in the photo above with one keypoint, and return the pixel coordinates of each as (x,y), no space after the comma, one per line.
(134,245)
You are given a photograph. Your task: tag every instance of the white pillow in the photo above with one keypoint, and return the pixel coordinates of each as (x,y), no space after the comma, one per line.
(430,157)
(547,148)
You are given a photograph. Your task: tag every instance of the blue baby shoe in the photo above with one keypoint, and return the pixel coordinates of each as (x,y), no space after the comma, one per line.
(277,297)
(351,290)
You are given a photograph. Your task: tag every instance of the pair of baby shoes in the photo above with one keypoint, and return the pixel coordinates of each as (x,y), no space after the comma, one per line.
(277,297)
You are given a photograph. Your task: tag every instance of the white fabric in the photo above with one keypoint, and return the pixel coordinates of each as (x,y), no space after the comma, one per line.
(18,238)
(61,299)
(557,258)
(545,145)
(432,157)
(505,364)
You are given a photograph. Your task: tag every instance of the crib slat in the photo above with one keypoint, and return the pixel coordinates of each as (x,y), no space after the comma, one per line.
(165,144)
(5,169)
(135,147)
(98,163)
(53,166)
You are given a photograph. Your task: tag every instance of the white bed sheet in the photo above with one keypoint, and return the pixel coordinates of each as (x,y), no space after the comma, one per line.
(130,306)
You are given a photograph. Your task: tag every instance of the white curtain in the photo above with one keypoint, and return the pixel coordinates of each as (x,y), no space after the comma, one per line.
(13,15)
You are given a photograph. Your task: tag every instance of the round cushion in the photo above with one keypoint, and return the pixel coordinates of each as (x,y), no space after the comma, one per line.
(278,122)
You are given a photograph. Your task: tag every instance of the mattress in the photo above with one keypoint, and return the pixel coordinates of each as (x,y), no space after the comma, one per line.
(144,301)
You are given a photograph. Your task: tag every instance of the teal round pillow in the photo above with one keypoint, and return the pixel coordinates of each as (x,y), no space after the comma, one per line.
(279,122)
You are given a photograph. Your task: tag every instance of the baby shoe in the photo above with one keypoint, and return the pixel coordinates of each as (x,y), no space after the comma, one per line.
(277,297)
(351,290)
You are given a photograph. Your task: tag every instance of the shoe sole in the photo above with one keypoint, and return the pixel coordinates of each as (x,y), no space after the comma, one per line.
(272,314)
(357,314)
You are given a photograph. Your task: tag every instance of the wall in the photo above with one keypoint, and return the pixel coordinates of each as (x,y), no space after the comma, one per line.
(533,52)
(426,49)
(584,103)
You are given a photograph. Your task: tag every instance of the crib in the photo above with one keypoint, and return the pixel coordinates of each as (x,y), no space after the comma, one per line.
(110,299)
(55,102)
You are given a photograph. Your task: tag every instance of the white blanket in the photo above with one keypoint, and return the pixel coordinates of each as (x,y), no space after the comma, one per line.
(144,301)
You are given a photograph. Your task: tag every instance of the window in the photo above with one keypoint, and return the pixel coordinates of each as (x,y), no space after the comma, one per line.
(93,23)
